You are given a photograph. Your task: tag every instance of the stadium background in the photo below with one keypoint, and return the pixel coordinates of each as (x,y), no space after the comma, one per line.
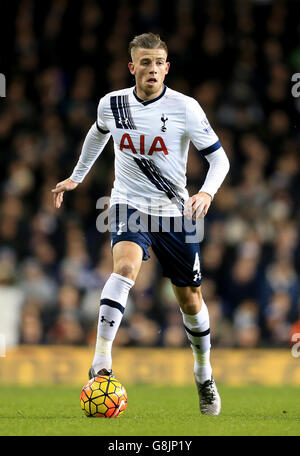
(236,58)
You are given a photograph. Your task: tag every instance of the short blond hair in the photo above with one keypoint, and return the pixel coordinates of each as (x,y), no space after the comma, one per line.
(147,41)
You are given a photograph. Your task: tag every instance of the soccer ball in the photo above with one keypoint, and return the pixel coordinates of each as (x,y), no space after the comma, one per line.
(103,397)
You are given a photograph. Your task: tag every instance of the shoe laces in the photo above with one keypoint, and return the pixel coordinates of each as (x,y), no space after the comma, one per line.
(207,391)
(105,372)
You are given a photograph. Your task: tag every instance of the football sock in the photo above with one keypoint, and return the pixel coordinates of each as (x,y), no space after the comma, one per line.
(198,333)
(112,306)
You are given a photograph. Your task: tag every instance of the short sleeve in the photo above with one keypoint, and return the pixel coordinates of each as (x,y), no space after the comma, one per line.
(100,123)
(199,129)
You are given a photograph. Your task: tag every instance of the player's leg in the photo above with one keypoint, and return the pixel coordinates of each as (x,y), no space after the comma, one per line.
(127,259)
(196,323)
(178,252)
(181,262)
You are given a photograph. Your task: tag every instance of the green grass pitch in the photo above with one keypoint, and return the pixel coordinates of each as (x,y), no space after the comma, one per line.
(151,411)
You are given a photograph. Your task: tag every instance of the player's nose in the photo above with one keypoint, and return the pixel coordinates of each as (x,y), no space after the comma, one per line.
(153,69)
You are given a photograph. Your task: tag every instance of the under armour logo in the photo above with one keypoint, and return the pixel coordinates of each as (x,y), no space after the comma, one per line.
(121,224)
(111,323)
(125,121)
(197,276)
(164,120)
(196,345)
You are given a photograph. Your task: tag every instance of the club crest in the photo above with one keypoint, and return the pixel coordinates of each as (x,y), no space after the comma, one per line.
(164,120)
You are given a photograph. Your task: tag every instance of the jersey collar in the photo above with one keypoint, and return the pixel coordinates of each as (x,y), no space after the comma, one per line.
(146,102)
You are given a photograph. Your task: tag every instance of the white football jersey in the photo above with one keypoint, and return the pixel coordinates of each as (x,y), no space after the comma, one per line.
(151,142)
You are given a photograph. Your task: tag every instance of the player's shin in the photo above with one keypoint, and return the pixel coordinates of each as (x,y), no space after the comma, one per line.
(198,333)
(112,306)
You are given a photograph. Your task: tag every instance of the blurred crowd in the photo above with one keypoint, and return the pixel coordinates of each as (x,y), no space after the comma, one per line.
(236,58)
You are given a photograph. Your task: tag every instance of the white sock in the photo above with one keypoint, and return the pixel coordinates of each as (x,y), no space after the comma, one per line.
(102,358)
(112,306)
(198,333)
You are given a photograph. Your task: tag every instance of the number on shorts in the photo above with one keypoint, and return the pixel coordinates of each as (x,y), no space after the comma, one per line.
(196,267)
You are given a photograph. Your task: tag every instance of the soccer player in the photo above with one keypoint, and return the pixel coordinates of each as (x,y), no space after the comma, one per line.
(152,126)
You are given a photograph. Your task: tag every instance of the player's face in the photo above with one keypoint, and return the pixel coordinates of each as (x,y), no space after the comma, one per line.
(149,66)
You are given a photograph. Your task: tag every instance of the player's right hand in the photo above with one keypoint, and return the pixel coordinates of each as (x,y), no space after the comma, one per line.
(58,192)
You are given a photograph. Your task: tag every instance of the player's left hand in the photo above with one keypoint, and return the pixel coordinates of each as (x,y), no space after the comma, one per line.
(197,205)
(62,187)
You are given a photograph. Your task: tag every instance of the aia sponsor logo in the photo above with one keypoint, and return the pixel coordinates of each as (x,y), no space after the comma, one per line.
(158,145)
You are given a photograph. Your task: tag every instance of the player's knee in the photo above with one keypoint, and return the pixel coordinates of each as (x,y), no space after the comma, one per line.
(190,308)
(191,300)
(126,269)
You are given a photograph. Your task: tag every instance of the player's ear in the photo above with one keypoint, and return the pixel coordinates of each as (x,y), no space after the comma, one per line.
(131,67)
(167,67)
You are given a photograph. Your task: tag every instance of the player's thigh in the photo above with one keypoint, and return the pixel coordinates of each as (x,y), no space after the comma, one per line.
(189,298)
(177,249)
(127,259)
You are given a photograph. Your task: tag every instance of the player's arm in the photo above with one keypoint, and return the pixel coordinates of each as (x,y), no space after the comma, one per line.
(93,145)
(209,146)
